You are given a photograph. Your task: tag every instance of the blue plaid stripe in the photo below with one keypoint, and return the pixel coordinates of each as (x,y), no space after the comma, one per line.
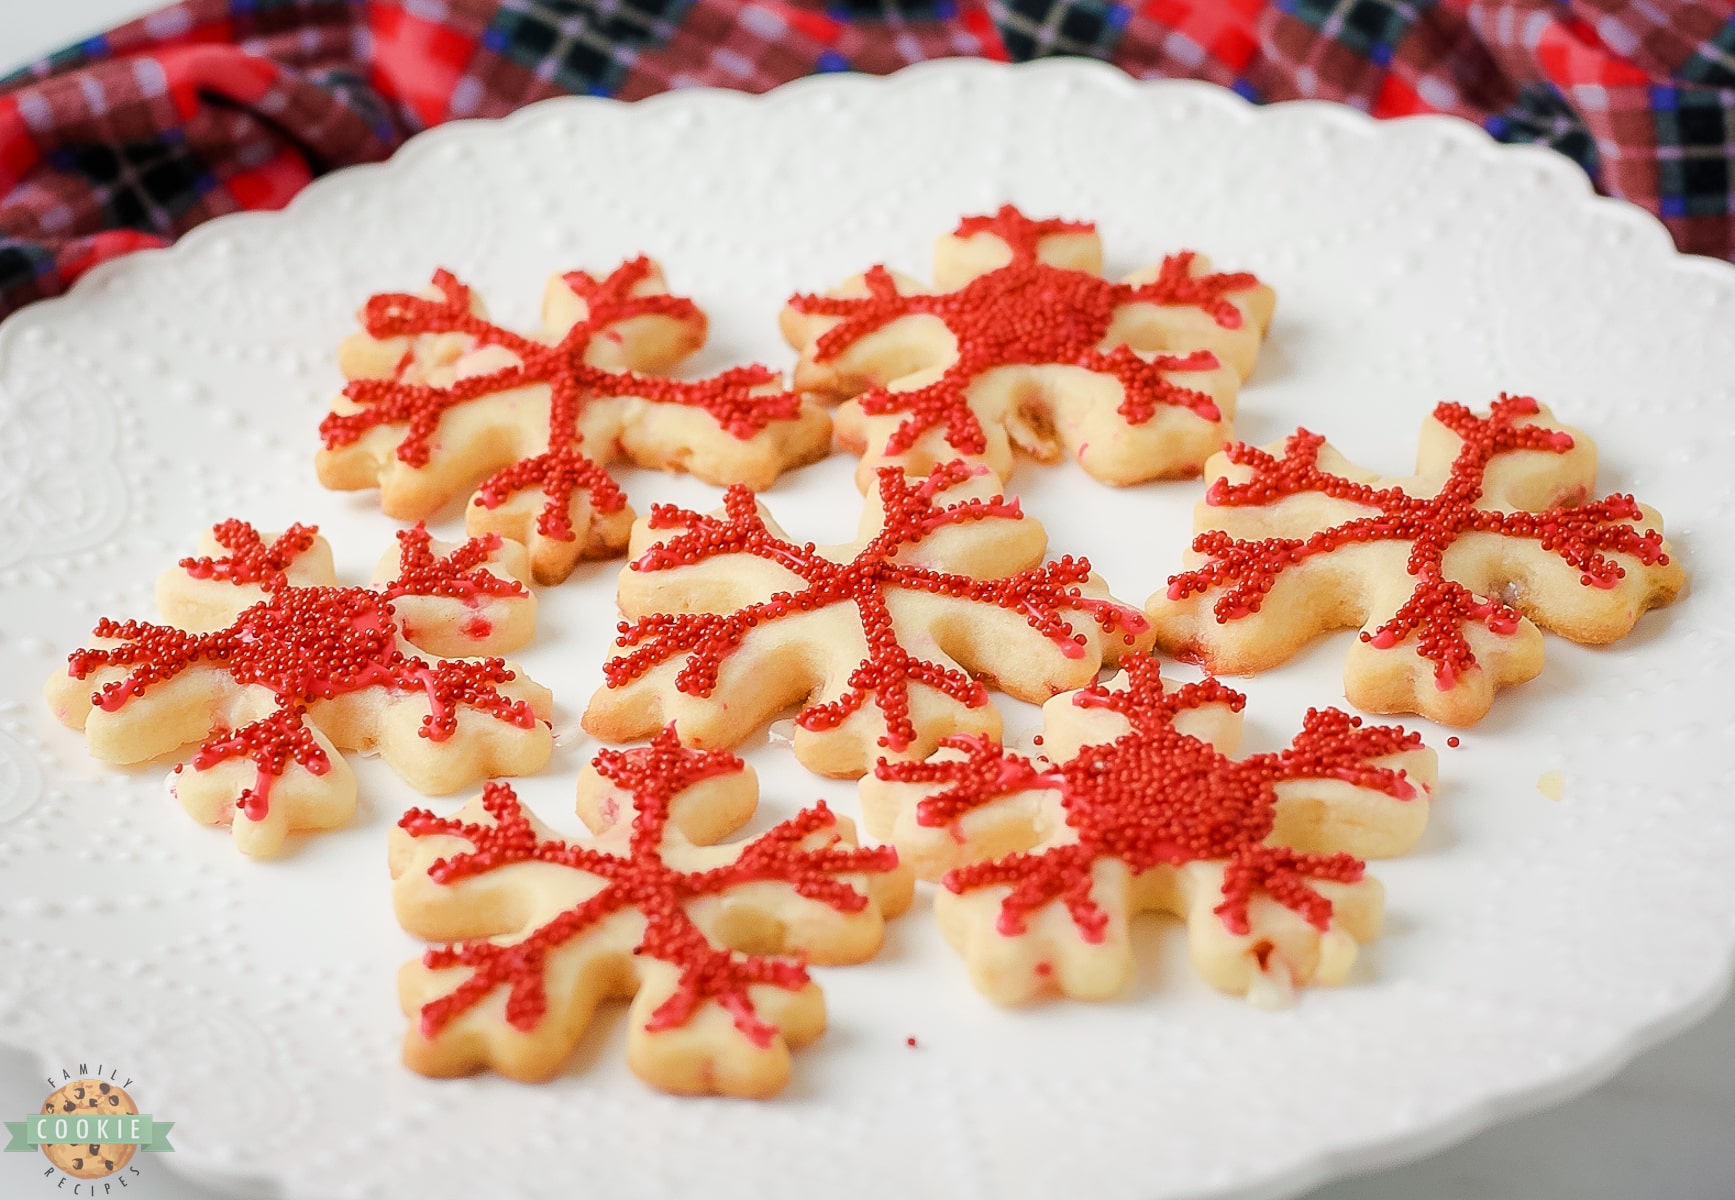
(896,12)
(1695,139)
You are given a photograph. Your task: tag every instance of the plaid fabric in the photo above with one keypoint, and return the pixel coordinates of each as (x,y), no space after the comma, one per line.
(210,106)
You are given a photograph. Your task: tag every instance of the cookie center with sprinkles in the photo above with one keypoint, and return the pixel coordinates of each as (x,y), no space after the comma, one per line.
(736,399)
(1026,312)
(303,645)
(1043,596)
(1156,795)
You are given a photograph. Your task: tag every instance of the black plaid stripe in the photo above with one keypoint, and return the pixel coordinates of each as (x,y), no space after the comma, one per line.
(1371,28)
(1542,117)
(143,185)
(22,264)
(357,94)
(1713,64)
(1695,139)
(1038,28)
(576,44)
(65,59)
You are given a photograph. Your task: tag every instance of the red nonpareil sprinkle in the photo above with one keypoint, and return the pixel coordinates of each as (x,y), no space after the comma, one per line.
(1157,796)
(910,1042)
(639,879)
(561,476)
(1045,597)
(460,575)
(1439,608)
(561,470)
(1453,742)
(249,559)
(1028,312)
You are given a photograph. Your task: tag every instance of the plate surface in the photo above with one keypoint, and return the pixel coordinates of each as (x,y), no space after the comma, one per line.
(1532,945)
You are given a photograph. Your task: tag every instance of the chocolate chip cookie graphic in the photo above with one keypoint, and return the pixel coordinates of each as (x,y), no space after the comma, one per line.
(89,1098)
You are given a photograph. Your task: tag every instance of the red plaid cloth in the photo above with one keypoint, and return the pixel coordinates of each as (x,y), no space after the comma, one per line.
(211,106)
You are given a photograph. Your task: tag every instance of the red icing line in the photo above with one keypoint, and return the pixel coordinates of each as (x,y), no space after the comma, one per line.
(1027,312)
(303,645)
(249,559)
(270,742)
(1158,796)
(460,575)
(639,879)
(1581,535)
(562,469)
(561,475)
(1022,235)
(1040,595)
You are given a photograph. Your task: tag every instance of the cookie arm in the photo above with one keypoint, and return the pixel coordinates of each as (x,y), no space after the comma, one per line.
(481,745)
(1048,952)
(299,797)
(1279,948)
(898,348)
(708,1053)
(1180,326)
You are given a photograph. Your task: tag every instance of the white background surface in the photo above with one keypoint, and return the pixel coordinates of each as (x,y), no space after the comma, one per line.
(1661,1128)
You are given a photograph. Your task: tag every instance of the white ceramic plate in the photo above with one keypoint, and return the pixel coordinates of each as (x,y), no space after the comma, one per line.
(1533,945)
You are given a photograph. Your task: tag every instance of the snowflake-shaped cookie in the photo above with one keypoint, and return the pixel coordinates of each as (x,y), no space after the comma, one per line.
(881,641)
(271,668)
(709,942)
(1135,805)
(440,396)
(1024,345)
(1448,573)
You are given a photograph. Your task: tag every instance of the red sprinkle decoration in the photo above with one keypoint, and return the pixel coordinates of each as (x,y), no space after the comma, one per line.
(460,575)
(562,471)
(640,880)
(1041,595)
(1453,742)
(249,559)
(306,644)
(1158,796)
(1438,608)
(1027,313)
